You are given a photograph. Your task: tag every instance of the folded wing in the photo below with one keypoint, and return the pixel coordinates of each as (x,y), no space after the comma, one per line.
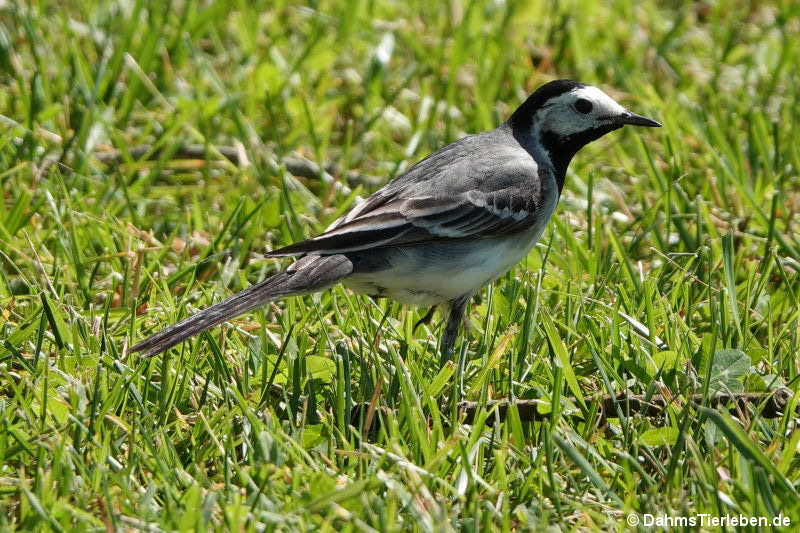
(407,221)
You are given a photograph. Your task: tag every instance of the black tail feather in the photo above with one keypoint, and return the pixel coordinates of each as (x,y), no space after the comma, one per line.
(309,274)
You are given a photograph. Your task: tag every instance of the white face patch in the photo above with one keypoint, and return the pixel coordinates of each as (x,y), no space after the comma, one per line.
(564,116)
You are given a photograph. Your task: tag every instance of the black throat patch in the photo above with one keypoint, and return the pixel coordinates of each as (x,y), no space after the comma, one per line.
(562,149)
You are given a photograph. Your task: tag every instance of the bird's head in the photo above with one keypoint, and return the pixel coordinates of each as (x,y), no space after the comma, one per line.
(563,116)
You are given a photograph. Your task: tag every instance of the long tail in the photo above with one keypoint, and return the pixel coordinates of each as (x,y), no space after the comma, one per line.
(308,274)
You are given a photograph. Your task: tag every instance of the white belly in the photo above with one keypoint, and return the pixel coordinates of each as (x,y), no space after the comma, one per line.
(433,274)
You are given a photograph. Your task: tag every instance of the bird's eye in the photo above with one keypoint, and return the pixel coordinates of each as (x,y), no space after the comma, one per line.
(583,106)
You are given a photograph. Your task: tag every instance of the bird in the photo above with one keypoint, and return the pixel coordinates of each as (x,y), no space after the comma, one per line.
(452,223)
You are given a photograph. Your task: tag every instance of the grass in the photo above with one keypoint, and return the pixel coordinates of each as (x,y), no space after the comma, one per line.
(671,268)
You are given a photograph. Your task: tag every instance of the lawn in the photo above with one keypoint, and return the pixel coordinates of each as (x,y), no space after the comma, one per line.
(150,153)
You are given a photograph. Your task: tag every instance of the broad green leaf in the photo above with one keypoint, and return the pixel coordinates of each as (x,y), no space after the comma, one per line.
(322,368)
(727,370)
(666,436)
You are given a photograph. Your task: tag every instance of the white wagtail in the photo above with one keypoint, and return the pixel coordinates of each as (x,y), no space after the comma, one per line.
(457,220)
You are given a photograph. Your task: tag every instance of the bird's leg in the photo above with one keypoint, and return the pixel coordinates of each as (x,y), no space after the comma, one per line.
(457,308)
(424,320)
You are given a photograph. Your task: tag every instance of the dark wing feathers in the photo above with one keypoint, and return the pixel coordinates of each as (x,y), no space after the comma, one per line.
(345,242)
(491,193)
(423,219)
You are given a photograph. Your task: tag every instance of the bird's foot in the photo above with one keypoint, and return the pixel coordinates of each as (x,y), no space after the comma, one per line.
(425,319)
